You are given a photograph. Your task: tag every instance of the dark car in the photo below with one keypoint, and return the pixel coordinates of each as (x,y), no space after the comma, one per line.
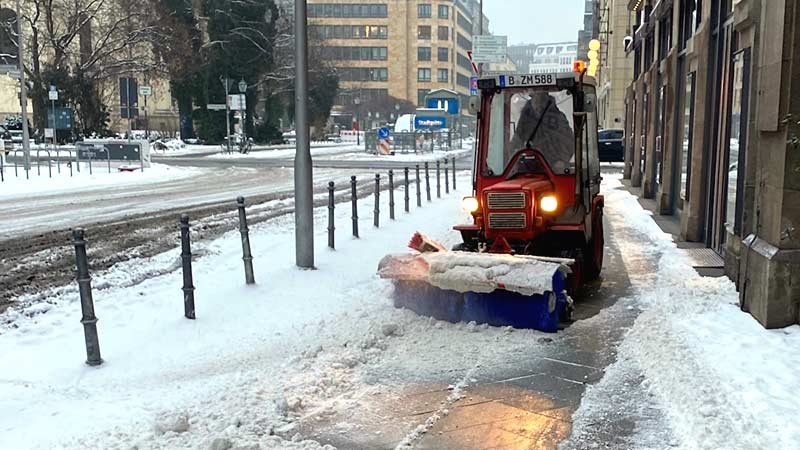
(612,148)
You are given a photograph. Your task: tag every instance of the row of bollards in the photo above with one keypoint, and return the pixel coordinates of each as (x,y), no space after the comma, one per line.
(377,194)
(89,320)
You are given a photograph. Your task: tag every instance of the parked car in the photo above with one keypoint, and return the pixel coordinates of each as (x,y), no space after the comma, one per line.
(612,148)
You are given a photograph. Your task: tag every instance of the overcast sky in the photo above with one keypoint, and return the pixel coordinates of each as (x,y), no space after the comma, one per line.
(535,21)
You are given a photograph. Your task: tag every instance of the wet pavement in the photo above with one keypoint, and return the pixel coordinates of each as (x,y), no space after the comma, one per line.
(524,399)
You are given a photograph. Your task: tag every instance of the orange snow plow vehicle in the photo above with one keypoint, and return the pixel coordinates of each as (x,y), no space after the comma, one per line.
(537,212)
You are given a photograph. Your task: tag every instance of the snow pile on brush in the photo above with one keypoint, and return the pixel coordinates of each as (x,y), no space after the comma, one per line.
(475,272)
(483,272)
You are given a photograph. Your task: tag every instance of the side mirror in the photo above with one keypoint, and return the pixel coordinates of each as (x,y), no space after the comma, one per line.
(474,105)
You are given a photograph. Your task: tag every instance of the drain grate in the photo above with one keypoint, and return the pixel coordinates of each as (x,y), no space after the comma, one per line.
(705,258)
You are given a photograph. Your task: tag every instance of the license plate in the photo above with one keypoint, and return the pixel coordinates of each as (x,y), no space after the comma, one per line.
(543,79)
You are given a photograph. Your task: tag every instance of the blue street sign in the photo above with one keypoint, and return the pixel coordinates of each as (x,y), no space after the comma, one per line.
(449,105)
(430,122)
(383,133)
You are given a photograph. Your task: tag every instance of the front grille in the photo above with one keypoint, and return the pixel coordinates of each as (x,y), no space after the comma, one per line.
(506,200)
(507,221)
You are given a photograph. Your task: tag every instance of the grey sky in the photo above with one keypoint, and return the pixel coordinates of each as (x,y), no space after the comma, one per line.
(535,21)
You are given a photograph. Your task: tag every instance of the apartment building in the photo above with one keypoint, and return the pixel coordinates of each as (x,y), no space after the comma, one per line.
(522,55)
(554,57)
(399,48)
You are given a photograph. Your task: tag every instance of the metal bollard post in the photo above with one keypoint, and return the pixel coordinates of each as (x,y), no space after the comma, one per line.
(38,164)
(446,177)
(354,199)
(438,179)
(88,319)
(2,167)
(331,209)
(377,210)
(247,255)
(49,165)
(58,161)
(391,194)
(454,173)
(90,163)
(108,153)
(419,191)
(427,183)
(407,194)
(186,262)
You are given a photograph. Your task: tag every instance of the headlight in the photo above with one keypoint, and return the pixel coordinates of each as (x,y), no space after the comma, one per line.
(469,204)
(548,203)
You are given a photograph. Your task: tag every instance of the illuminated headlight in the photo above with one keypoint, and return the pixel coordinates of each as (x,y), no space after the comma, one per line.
(469,204)
(548,203)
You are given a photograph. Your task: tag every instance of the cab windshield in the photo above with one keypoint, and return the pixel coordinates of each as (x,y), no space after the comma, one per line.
(531,118)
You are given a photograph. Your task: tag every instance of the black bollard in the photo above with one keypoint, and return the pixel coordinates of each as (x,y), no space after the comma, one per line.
(391,194)
(186,263)
(438,179)
(331,208)
(247,255)
(377,211)
(407,194)
(446,177)
(419,191)
(354,199)
(454,173)
(427,183)
(88,319)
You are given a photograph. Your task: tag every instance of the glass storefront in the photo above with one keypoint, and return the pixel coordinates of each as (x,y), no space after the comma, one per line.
(688,131)
(737,142)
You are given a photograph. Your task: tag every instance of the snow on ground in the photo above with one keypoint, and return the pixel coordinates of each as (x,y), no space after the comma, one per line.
(284,152)
(176,147)
(256,358)
(721,380)
(17,186)
(410,157)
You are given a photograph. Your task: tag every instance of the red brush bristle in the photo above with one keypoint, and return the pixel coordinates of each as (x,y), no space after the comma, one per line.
(424,244)
(416,242)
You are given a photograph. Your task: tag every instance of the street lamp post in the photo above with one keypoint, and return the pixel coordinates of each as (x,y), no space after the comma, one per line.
(227,113)
(357,101)
(23,92)
(303,173)
(242,93)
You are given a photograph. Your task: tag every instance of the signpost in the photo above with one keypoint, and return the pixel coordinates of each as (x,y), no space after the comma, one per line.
(52,94)
(146,91)
(489,49)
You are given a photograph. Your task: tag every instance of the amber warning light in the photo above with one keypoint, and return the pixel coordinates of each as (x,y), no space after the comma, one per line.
(579,66)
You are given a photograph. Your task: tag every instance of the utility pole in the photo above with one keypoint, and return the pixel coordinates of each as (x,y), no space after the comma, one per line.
(303,172)
(23,92)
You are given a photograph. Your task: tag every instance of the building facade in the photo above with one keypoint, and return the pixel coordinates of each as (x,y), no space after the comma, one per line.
(712,136)
(554,57)
(616,69)
(398,48)
(522,55)
(591,28)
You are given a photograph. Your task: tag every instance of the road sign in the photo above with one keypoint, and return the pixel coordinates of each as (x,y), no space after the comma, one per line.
(215,107)
(383,133)
(145,91)
(489,49)
(429,122)
(49,133)
(237,102)
(52,94)
(473,85)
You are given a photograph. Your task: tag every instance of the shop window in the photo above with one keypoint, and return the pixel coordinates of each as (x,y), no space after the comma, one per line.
(688,136)
(738,140)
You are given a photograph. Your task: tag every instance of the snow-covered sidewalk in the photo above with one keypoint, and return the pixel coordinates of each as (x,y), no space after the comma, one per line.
(720,380)
(285,152)
(237,371)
